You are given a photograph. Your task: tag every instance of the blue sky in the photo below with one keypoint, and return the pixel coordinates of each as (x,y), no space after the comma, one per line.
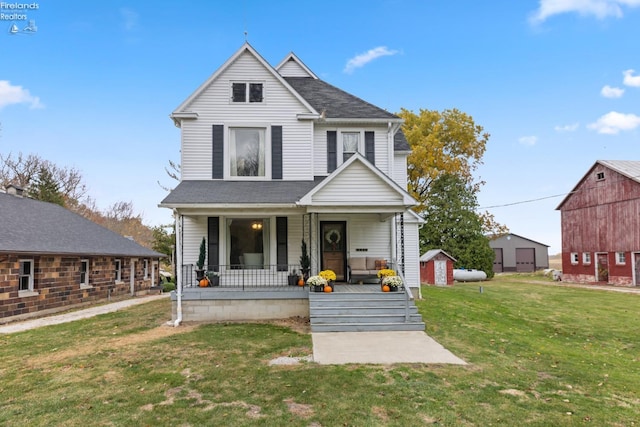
(555,82)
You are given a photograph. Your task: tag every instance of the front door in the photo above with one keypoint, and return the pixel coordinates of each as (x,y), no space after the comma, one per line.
(333,247)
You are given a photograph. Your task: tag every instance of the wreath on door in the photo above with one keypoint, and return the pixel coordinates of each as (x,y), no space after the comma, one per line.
(333,238)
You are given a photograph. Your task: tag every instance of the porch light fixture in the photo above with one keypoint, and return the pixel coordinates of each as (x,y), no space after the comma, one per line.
(256,226)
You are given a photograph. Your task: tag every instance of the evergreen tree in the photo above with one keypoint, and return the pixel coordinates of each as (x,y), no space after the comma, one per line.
(46,188)
(453,225)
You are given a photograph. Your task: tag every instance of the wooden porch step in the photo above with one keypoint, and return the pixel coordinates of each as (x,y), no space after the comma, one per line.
(367,327)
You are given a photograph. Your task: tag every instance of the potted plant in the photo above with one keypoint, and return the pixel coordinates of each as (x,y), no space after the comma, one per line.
(329,276)
(393,282)
(214,278)
(305,261)
(201,258)
(317,282)
(292,279)
(385,272)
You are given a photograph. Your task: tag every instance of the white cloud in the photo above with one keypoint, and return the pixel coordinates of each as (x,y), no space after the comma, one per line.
(567,128)
(630,79)
(528,140)
(612,123)
(17,95)
(129,18)
(611,92)
(364,58)
(601,9)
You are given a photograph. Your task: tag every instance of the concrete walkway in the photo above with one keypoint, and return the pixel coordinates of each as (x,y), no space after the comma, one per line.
(85,313)
(337,348)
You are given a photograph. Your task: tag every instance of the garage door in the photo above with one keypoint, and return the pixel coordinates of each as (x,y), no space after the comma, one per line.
(525,260)
(497,261)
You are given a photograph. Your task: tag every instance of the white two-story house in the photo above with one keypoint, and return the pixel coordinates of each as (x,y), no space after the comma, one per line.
(274,156)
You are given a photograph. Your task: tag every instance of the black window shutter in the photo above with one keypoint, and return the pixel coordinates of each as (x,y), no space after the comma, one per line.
(276,152)
(218,152)
(370,146)
(214,244)
(281,243)
(332,150)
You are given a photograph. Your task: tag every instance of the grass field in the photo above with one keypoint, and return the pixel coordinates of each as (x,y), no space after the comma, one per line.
(540,355)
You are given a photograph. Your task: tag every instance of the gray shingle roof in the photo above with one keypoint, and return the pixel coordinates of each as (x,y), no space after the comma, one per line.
(400,142)
(32,226)
(217,192)
(336,103)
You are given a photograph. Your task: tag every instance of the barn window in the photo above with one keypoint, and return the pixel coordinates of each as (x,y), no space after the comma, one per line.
(574,257)
(586,258)
(621,258)
(600,176)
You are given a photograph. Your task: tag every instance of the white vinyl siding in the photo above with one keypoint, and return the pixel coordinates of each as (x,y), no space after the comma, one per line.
(366,231)
(355,186)
(280,107)
(320,146)
(292,69)
(400,170)
(195,228)
(411,251)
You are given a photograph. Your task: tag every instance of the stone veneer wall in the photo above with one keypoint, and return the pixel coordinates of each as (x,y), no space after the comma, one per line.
(57,287)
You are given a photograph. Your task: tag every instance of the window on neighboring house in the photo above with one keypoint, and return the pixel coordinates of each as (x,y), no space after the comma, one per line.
(25,278)
(586,258)
(145,264)
(248,242)
(84,272)
(247,152)
(574,257)
(242,91)
(118,269)
(350,144)
(621,258)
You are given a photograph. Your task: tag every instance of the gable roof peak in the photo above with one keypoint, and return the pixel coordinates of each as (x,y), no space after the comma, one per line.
(291,57)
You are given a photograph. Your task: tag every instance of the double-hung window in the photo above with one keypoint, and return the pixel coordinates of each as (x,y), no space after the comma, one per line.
(244,92)
(118,269)
(25,278)
(247,150)
(248,242)
(621,258)
(350,144)
(84,273)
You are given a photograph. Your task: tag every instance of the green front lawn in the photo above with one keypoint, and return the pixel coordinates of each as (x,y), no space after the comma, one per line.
(539,355)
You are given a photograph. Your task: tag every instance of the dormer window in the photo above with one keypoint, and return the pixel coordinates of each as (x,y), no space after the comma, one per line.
(246,92)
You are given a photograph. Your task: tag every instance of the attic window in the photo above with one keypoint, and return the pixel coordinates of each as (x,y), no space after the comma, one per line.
(241,92)
(600,176)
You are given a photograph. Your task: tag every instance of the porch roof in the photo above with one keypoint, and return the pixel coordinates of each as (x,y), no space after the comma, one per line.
(208,192)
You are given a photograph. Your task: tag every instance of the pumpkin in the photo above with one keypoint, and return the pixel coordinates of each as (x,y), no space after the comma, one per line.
(301,282)
(328,289)
(386,288)
(204,283)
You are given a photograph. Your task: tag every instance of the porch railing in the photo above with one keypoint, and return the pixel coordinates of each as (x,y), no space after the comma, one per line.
(408,295)
(242,277)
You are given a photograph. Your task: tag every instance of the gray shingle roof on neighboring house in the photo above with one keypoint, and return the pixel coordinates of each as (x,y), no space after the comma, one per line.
(221,192)
(33,227)
(336,103)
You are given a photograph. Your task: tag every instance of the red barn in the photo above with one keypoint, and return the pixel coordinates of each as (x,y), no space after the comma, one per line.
(601,225)
(436,268)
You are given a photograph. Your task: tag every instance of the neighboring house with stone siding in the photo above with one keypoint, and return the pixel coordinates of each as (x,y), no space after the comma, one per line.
(274,156)
(52,259)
